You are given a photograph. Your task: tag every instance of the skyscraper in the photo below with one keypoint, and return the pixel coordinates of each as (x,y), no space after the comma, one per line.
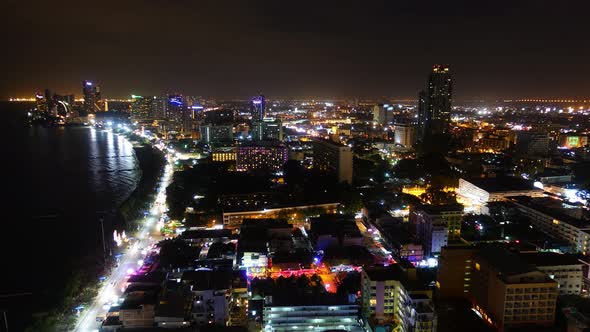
(268,129)
(258,108)
(440,94)
(434,107)
(143,108)
(178,114)
(91,93)
(405,134)
(379,113)
(422,114)
(330,157)
(532,144)
(42,102)
(216,133)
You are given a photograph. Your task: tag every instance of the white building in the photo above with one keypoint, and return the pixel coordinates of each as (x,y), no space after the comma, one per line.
(333,158)
(565,269)
(210,307)
(211,292)
(394,294)
(545,216)
(440,238)
(405,134)
(476,193)
(315,318)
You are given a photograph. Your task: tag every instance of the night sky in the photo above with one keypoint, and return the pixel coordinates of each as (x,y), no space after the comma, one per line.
(505,49)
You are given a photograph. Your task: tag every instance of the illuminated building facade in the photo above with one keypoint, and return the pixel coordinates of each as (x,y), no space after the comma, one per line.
(333,158)
(42,102)
(493,143)
(312,317)
(434,105)
(504,290)
(454,278)
(143,108)
(532,144)
(211,133)
(263,155)
(510,292)
(178,114)
(545,215)
(480,191)
(393,294)
(435,224)
(258,108)
(224,154)
(440,96)
(92,97)
(382,114)
(572,141)
(267,129)
(405,134)
(233,218)
(563,268)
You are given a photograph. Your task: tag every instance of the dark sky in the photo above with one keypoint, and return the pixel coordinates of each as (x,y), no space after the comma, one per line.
(295,48)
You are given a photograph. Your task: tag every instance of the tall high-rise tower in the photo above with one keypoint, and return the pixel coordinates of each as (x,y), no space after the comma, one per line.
(143,108)
(91,93)
(422,113)
(258,108)
(440,95)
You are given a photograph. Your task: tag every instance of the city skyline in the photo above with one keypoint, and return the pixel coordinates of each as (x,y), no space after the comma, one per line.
(332,50)
(272,166)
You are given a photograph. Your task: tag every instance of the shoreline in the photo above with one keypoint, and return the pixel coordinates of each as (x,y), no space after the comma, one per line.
(85,282)
(151,163)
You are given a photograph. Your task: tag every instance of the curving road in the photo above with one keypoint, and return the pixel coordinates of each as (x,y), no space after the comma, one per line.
(113,287)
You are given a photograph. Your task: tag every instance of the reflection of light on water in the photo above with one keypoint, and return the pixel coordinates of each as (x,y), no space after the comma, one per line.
(93,143)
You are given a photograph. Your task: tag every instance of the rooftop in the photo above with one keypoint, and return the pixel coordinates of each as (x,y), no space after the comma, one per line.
(205,233)
(136,301)
(438,209)
(206,279)
(549,259)
(383,273)
(503,183)
(506,262)
(416,280)
(553,208)
(281,299)
(171,305)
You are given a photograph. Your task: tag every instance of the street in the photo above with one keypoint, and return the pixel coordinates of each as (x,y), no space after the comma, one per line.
(113,287)
(375,243)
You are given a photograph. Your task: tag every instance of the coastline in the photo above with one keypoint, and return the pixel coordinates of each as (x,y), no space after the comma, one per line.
(151,162)
(84,281)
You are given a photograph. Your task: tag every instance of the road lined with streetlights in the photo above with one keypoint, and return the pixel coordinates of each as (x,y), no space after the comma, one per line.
(114,285)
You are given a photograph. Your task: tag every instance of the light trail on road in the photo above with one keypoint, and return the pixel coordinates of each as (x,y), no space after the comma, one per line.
(114,284)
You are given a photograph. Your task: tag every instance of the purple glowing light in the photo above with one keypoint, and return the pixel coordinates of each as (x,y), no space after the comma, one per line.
(88,83)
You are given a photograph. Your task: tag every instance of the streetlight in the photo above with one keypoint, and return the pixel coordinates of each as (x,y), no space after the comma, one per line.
(4,311)
(104,245)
